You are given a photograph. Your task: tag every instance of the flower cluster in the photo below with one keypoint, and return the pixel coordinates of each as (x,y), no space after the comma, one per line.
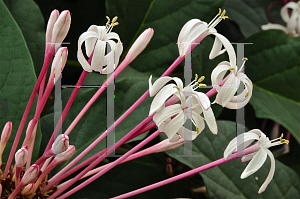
(103,48)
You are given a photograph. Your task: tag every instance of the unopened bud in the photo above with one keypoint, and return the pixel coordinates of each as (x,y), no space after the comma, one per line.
(6,132)
(53,17)
(60,144)
(21,156)
(166,145)
(59,63)
(139,45)
(27,189)
(31,173)
(61,28)
(32,135)
(65,155)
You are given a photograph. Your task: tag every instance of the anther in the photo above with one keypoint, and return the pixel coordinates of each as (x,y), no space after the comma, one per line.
(219,12)
(197,129)
(177,88)
(202,85)
(232,68)
(196,77)
(201,79)
(283,141)
(114,19)
(247,94)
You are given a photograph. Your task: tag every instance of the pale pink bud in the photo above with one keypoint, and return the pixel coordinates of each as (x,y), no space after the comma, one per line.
(0,190)
(65,155)
(61,28)
(21,156)
(53,17)
(31,173)
(59,63)
(6,132)
(166,145)
(32,133)
(139,45)
(60,144)
(28,189)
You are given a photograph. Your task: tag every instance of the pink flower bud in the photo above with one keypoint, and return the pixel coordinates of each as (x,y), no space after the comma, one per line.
(59,63)
(6,132)
(21,156)
(139,45)
(60,144)
(31,173)
(32,133)
(65,155)
(166,145)
(53,17)
(27,189)
(61,28)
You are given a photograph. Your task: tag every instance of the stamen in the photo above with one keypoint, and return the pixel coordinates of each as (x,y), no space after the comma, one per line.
(247,94)
(178,92)
(196,77)
(283,141)
(215,17)
(197,129)
(113,23)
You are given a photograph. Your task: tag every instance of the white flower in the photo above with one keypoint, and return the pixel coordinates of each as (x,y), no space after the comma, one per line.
(260,153)
(170,119)
(196,30)
(226,92)
(96,40)
(292,22)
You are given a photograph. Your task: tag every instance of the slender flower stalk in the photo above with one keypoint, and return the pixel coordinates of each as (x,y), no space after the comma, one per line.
(164,145)
(184,175)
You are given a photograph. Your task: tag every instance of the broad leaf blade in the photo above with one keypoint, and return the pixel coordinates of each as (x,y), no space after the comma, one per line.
(15,90)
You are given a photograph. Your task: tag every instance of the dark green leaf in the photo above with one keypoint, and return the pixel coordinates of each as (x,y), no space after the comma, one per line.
(15,90)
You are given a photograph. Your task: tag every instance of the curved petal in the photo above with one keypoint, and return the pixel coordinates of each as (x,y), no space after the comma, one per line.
(91,42)
(271,26)
(188,134)
(202,99)
(292,23)
(165,113)
(98,60)
(174,125)
(160,82)
(227,45)
(102,32)
(271,172)
(210,120)
(189,32)
(216,49)
(81,59)
(284,10)
(218,73)
(257,161)
(248,157)
(110,58)
(112,35)
(228,90)
(161,97)
(232,146)
(243,98)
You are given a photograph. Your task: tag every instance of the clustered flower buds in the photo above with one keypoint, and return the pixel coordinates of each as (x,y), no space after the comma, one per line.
(60,144)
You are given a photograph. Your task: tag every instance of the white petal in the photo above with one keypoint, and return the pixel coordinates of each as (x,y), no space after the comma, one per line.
(98,57)
(160,82)
(241,100)
(202,99)
(248,157)
(229,48)
(232,146)
(284,10)
(189,32)
(216,49)
(271,172)
(91,42)
(292,23)
(161,97)
(110,58)
(81,59)
(228,90)
(218,74)
(102,32)
(165,113)
(257,161)
(112,35)
(188,134)
(271,26)
(210,120)
(174,125)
